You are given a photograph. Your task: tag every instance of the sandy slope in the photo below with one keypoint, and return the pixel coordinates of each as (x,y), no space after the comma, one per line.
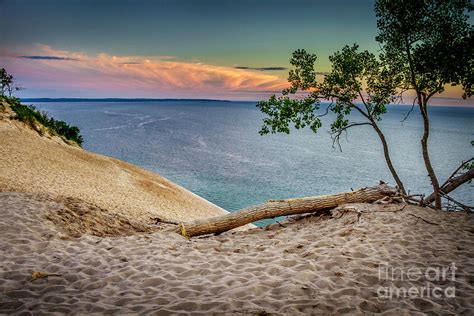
(33,163)
(317,265)
(85,218)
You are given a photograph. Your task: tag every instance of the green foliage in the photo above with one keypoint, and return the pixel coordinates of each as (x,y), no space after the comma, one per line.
(32,116)
(440,42)
(428,43)
(6,82)
(355,74)
(282,111)
(469,165)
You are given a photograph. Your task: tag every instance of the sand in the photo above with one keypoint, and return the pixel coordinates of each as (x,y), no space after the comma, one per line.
(316,265)
(79,235)
(44,164)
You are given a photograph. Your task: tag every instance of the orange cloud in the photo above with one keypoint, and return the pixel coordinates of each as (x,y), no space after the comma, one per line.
(134,76)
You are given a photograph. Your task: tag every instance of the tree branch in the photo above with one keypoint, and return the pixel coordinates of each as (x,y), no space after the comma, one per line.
(465,207)
(409,111)
(464,163)
(365,104)
(327,110)
(451,185)
(336,135)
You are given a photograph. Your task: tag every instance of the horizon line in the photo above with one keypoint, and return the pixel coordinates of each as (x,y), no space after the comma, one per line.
(191,99)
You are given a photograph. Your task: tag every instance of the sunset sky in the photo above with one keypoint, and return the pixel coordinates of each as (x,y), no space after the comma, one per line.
(222,49)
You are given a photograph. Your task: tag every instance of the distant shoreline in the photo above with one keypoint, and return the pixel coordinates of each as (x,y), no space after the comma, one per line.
(119,100)
(78,100)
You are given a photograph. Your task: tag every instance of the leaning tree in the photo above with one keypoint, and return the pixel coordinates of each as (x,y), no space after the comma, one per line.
(425,45)
(358,82)
(429,45)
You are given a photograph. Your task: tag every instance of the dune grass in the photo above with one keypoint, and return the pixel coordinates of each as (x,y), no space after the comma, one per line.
(34,117)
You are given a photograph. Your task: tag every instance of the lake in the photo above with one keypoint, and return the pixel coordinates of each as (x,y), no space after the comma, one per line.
(213,148)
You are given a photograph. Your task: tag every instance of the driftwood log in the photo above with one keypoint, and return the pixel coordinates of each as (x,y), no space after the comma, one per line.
(275,208)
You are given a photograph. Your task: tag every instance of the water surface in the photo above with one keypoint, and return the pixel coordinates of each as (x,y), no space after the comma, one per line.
(213,148)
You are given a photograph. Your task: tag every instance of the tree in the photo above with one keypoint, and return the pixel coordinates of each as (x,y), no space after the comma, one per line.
(6,80)
(428,44)
(355,75)
(7,83)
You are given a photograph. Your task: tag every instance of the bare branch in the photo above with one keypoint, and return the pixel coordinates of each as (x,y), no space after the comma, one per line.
(336,135)
(327,110)
(409,111)
(424,220)
(437,89)
(365,104)
(359,110)
(451,185)
(464,163)
(464,207)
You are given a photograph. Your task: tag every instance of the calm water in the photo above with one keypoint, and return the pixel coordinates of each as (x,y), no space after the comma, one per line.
(214,149)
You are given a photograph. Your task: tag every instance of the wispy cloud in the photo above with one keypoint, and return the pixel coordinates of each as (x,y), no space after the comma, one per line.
(261,68)
(38,57)
(81,74)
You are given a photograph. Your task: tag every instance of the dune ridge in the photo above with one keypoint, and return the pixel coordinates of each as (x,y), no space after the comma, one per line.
(34,163)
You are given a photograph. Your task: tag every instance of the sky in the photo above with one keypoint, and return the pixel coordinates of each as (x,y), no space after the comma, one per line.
(217,49)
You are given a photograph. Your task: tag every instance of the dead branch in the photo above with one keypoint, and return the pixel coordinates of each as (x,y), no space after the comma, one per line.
(158,220)
(394,211)
(451,184)
(409,111)
(424,220)
(336,135)
(346,209)
(464,163)
(463,207)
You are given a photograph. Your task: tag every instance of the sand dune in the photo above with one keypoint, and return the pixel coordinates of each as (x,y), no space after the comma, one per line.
(39,164)
(316,265)
(77,236)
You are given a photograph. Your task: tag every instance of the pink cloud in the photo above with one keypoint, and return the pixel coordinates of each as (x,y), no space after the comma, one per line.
(45,68)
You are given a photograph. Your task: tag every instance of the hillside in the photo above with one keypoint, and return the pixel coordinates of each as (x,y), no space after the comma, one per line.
(45,164)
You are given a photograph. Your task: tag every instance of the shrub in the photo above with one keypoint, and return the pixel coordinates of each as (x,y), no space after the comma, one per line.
(32,116)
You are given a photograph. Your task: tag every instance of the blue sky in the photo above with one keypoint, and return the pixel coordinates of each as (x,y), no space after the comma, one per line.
(164,48)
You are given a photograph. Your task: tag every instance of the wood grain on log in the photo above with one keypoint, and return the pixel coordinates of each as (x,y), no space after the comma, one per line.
(275,208)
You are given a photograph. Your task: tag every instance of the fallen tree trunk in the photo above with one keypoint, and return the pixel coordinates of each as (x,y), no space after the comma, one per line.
(451,184)
(275,208)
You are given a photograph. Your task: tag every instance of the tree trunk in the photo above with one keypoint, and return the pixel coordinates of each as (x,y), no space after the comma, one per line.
(452,184)
(387,158)
(275,208)
(426,155)
(422,103)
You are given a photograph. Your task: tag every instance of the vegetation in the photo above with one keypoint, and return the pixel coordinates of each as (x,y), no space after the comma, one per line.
(7,84)
(425,45)
(430,44)
(33,117)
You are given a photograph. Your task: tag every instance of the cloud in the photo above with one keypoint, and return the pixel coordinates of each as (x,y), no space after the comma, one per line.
(47,57)
(133,76)
(261,68)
